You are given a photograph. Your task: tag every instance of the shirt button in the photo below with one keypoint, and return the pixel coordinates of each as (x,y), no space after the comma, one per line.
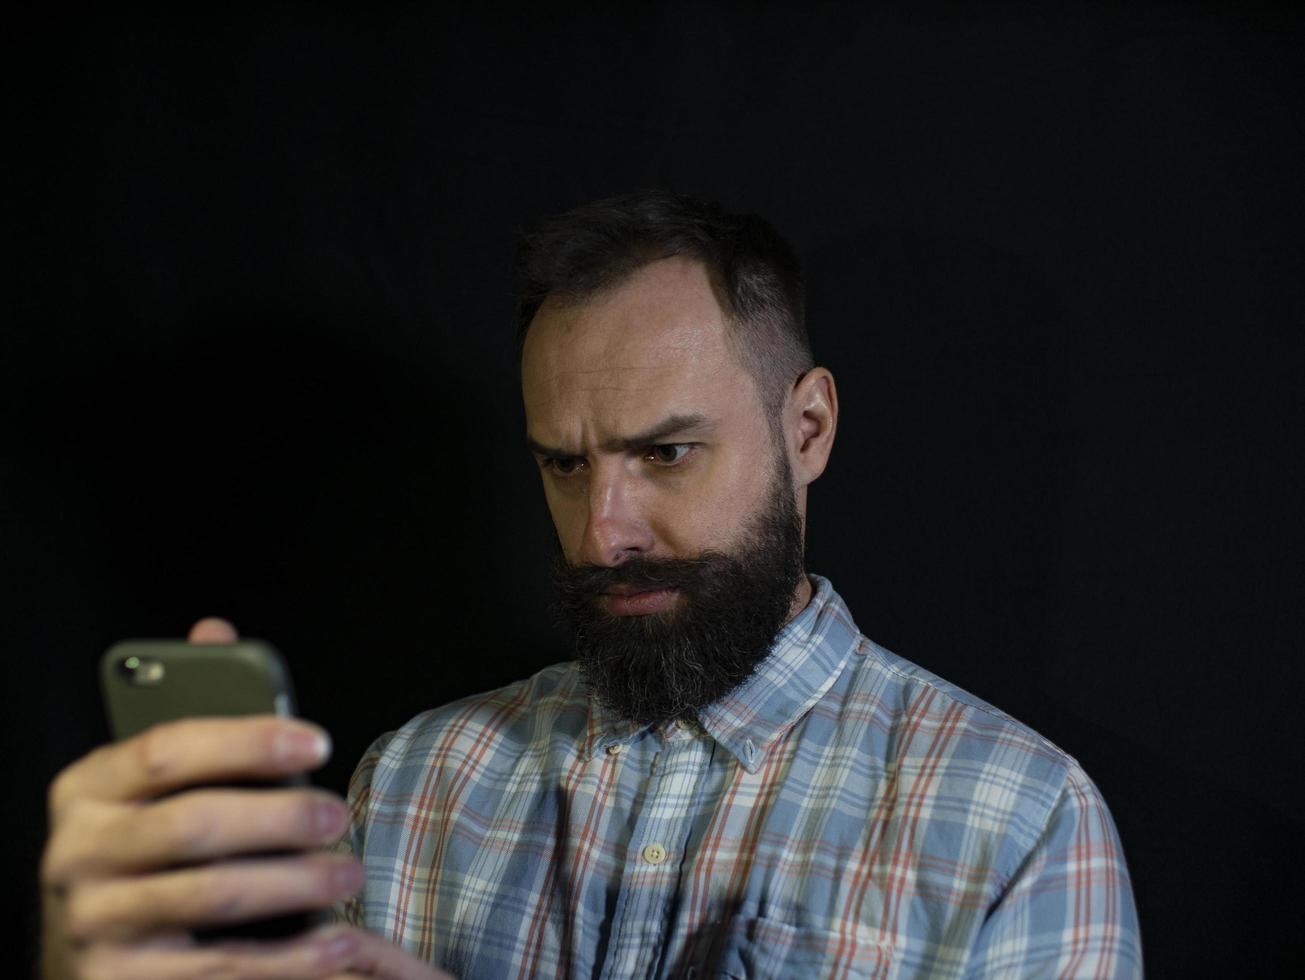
(615,748)
(683,724)
(654,854)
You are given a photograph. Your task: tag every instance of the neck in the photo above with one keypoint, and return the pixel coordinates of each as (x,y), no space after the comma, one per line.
(801,597)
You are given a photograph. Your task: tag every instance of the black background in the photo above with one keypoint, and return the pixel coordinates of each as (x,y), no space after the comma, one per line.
(257,362)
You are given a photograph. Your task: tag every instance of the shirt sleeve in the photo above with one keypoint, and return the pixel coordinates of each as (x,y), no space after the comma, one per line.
(1068,911)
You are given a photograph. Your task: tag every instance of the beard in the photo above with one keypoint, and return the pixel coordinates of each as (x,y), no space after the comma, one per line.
(652,668)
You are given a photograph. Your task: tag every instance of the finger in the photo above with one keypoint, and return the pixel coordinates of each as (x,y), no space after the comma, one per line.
(116,909)
(211,629)
(97,838)
(190,751)
(314,955)
(382,960)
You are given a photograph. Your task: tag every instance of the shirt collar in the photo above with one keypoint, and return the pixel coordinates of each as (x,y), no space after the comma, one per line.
(804,661)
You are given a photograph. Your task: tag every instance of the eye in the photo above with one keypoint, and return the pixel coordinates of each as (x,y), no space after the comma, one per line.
(562,465)
(667,454)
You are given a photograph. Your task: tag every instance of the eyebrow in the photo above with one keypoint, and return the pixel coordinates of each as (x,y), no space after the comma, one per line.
(663,431)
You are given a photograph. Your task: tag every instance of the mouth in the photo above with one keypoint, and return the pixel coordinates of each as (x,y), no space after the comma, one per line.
(626,600)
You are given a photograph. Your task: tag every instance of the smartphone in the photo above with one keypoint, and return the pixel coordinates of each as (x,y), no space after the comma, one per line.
(146,682)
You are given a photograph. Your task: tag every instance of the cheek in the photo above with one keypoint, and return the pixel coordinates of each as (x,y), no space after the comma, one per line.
(712,513)
(560,510)
(568,520)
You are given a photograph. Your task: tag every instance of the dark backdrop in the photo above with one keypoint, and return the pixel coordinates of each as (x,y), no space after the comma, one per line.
(257,362)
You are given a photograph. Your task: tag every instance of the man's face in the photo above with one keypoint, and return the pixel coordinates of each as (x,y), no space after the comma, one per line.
(649,432)
(674,505)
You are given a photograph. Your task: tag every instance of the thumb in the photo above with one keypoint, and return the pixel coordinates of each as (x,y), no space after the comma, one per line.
(213,630)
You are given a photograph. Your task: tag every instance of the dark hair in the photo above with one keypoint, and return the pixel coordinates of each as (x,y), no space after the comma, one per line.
(596,246)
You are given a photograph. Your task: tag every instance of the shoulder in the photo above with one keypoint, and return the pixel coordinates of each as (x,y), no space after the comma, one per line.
(546,711)
(944,744)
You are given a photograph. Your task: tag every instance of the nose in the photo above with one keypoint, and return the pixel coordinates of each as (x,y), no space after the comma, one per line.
(616,528)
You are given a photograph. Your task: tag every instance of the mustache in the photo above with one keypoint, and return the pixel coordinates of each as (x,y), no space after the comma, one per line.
(587,580)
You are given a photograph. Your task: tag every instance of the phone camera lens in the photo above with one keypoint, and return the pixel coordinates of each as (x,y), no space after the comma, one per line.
(141,670)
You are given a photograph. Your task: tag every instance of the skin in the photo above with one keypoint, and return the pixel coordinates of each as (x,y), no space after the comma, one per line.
(112,909)
(602,380)
(608,384)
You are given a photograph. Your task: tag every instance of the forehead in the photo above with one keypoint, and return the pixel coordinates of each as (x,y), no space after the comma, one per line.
(656,344)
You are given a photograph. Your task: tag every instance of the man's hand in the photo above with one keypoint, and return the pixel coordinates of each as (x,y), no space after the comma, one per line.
(142,849)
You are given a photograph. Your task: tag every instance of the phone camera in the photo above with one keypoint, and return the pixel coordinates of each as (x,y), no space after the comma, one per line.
(141,670)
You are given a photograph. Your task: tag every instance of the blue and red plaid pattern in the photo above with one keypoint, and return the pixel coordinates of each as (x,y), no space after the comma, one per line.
(844,813)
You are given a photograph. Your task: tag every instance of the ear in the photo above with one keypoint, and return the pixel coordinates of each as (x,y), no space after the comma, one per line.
(812,417)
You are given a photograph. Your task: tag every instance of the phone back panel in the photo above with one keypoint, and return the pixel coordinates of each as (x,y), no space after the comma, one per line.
(146,682)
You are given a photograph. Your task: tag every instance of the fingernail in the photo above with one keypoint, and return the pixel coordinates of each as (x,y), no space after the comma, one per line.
(347,877)
(329,817)
(303,746)
(340,947)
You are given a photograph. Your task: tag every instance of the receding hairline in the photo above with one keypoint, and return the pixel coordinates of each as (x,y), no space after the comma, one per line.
(760,372)
(571,299)
(755,275)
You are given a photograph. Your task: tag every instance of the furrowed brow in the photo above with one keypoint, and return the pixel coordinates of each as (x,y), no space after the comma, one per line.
(670,428)
(539,449)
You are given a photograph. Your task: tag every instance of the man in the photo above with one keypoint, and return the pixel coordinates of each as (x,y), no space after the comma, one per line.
(730,781)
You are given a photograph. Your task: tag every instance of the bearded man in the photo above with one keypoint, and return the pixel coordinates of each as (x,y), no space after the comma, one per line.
(730,780)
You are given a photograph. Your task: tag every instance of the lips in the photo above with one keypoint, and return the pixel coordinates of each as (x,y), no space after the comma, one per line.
(628,589)
(629,600)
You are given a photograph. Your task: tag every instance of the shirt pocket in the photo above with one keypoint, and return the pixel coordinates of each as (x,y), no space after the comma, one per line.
(761,949)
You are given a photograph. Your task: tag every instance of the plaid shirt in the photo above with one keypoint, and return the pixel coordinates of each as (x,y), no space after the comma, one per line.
(844,813)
